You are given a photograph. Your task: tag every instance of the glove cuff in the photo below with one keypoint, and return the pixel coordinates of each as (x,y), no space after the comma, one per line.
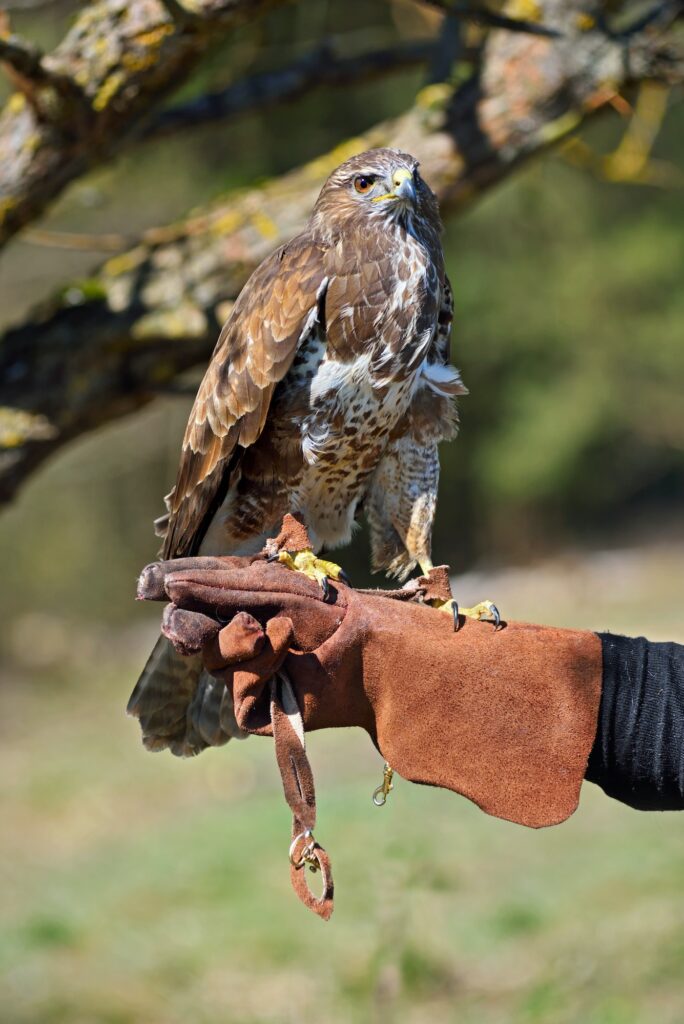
(507,718)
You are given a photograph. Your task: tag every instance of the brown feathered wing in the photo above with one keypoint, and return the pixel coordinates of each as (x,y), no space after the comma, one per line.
(275,310)
(178,706)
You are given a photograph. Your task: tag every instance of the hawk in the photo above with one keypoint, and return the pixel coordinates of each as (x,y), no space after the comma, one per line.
(328,393)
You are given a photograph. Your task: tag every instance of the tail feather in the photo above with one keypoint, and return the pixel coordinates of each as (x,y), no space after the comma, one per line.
(205,712)
(180,706)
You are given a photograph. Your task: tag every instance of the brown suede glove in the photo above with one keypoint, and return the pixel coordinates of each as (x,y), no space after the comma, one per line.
(505,717)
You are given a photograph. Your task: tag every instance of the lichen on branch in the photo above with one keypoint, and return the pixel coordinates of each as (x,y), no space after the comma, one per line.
(77,106)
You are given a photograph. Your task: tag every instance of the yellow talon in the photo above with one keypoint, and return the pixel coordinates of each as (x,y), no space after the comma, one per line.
(450,607)
(318,569)
(485,611)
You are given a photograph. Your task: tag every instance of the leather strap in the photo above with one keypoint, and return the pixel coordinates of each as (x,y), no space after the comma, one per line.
(300,793)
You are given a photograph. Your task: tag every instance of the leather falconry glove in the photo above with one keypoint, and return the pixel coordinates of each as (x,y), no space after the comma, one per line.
(504,717)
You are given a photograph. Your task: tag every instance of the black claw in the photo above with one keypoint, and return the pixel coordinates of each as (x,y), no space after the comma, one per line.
(273,558)
(454,612)
(325,587)
(496,617)
(345,579)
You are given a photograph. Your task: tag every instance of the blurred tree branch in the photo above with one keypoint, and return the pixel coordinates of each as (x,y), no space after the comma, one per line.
(105,346)
(22,56)
(27,5)
(631,161)
(320,67)
(481,14)
(76,106)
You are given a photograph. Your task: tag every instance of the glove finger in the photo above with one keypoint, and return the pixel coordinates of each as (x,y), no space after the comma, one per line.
(224,587)
(265,591)
(152,579)
(251,697)
(189,632)
(241,640)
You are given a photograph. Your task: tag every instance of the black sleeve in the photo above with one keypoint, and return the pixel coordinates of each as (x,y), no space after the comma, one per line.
(638,753)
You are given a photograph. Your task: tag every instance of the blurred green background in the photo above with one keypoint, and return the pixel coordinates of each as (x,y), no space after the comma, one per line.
(142,889)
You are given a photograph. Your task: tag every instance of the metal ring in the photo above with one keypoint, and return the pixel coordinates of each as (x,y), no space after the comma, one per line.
(380,796)
(307,850)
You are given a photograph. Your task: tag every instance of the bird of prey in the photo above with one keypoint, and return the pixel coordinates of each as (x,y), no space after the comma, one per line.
(328,393)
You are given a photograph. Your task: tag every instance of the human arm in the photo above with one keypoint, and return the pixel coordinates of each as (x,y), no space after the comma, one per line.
(638,754)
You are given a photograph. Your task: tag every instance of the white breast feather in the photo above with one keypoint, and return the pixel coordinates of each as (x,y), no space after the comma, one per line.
(444,380)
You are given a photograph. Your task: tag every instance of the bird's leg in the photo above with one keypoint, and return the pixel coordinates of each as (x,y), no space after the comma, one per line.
(292,547)
(485,611)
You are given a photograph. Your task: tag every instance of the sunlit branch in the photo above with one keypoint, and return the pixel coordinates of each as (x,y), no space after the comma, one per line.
(112,68)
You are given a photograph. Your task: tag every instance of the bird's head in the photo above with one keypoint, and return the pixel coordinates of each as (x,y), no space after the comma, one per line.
(378,187)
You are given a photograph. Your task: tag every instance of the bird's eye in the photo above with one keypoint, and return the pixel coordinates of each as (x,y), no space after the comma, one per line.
(364,182)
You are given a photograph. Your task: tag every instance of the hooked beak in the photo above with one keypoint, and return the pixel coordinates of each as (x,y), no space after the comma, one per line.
(403,187)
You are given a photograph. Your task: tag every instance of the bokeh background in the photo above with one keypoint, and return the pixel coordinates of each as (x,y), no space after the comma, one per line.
(141,889)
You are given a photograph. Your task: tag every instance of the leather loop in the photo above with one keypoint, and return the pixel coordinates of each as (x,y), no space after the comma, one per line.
(322,905)
(300,793)
(295,770)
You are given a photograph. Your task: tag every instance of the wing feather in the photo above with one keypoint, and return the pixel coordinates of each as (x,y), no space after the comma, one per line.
(275,310)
